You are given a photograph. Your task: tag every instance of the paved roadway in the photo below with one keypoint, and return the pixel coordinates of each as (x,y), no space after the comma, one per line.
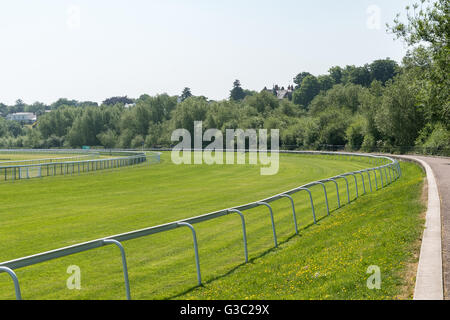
(441,169)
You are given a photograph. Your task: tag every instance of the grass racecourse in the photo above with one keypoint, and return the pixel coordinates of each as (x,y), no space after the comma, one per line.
(325,261)
(10,157)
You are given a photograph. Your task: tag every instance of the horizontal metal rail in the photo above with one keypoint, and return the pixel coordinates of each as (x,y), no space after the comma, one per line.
(120,159)
(45,160)
(119,238)
(13,276)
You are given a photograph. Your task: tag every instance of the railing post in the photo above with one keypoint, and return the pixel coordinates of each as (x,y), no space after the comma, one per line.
(337,190)
(312,203)
(243,231)
(376,180)
(386,171)
(326,197)
(362,178)
(124,264)
(273,222)
(356,184)
(394,172)
(348,190)
(368,176)
(15,281)
(293,210)
(197,259)
(381,177)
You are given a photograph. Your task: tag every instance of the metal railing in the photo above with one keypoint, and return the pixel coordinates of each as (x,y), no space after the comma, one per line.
(51,168)
(47,160)
(389,165)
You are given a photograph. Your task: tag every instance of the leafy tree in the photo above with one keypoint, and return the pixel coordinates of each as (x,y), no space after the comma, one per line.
(308,90)
(20,103)
(299,78)
(63,102)
(84,104)
(250,92)
(333,124)
(428,23)
(108,138)
(288,108)
(370,100)
(158,134)
(14,128)
(57,122)
(117,100)
(369,143)
(326,82)
(355,133)
(220,114)
(383,70)
(125,138)
(311,132)
(237,93)
(38,108)
(439,139)
(137,141)
(185,94)
(33,139)
(400,117)
(263,101)
(86,128)
(188,111)
(340,96)
(357,75)
(336,74)
(54,142)
(3,128)
(3,109)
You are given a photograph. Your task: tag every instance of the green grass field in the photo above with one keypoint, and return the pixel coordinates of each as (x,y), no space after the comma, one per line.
(7,157)
(13,159)
(327,260)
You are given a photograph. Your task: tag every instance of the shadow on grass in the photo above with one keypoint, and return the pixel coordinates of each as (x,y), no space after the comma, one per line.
(266,252)
(273,249)
(261,255)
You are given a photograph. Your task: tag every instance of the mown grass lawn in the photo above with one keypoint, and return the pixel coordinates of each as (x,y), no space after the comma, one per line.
(8,157)
(331,260)
(43,214)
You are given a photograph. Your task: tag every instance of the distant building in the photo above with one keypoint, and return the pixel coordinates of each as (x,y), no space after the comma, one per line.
(24,117)
(129,105)
(281,93)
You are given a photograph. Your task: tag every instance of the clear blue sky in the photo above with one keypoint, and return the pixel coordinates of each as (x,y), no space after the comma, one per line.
(92,50)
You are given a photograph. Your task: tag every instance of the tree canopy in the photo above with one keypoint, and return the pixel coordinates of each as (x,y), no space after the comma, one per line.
(382,105)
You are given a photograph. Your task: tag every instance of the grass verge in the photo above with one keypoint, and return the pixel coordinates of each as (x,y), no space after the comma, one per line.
(330,260)
(44,214)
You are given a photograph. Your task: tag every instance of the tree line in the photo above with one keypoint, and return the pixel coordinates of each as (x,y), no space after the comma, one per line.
(381,106)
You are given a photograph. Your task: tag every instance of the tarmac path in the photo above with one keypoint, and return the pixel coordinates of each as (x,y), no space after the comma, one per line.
(441,170)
